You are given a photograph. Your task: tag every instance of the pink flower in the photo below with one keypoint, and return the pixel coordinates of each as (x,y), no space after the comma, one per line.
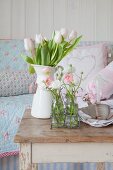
(68,78)
(48,81)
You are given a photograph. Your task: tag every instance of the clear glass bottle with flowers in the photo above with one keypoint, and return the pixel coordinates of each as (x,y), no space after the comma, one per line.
(64,89)
(71,86)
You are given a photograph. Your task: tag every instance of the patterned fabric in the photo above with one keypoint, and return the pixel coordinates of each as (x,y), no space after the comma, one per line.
(6,154)
(9,163)
(105,82)
(12,163)
(11,112)
(89,60)
(15,82)
(14,76)
(108,44)
(10,55)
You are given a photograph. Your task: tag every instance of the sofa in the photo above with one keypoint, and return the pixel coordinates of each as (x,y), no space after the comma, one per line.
(15,97)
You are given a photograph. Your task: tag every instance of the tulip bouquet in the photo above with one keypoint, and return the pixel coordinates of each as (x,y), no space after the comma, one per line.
(50,52)
(64,89)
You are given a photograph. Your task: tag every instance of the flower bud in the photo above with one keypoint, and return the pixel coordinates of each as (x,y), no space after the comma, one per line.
(72,35)
(58,37)
(69,69)
(29,44)
(45,38)
(39,39)
(64,32)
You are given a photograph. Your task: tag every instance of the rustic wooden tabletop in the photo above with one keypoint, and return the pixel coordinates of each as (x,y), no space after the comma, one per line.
(39,131)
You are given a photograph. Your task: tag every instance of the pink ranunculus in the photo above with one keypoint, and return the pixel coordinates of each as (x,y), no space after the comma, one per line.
(68,78)
(48,81)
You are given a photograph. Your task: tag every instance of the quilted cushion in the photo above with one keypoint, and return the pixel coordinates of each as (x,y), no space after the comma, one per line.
(15,82)
(11,112)
(105,82)
(10,55)
(87,59)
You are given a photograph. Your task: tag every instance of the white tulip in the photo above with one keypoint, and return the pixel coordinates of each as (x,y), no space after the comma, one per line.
(39,39)
(72,35)
(56,84)
(45,38)
(64,32)
(28,44)
(58,37)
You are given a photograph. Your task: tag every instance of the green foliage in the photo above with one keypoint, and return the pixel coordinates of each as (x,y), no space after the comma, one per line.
(50,53)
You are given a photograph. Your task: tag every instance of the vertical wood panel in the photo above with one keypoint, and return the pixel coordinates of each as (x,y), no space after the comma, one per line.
(87,19)
(73,14)
(102,19)
(46,17)
(59,14)
(32,18)
(25,18)
(5,19)
(111,20)
(18,19)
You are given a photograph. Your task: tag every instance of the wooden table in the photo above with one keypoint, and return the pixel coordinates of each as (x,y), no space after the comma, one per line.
(40,144)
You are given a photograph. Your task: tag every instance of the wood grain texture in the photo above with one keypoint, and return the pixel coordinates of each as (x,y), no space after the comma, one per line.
(25,158)
(39,131)
(100,166)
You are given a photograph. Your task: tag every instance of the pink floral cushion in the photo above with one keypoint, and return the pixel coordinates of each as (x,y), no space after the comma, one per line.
(105,82)
(15,82)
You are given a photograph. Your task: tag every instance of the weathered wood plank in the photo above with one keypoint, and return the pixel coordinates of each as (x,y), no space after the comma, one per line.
(25,157)
(39,131)
(74,152)
(101,166)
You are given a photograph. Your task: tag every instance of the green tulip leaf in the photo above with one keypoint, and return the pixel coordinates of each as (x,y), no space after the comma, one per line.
(44,53)
(38,55)
(31,69)
(74,44)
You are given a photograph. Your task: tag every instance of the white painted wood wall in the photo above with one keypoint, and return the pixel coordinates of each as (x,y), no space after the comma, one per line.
(25,18)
